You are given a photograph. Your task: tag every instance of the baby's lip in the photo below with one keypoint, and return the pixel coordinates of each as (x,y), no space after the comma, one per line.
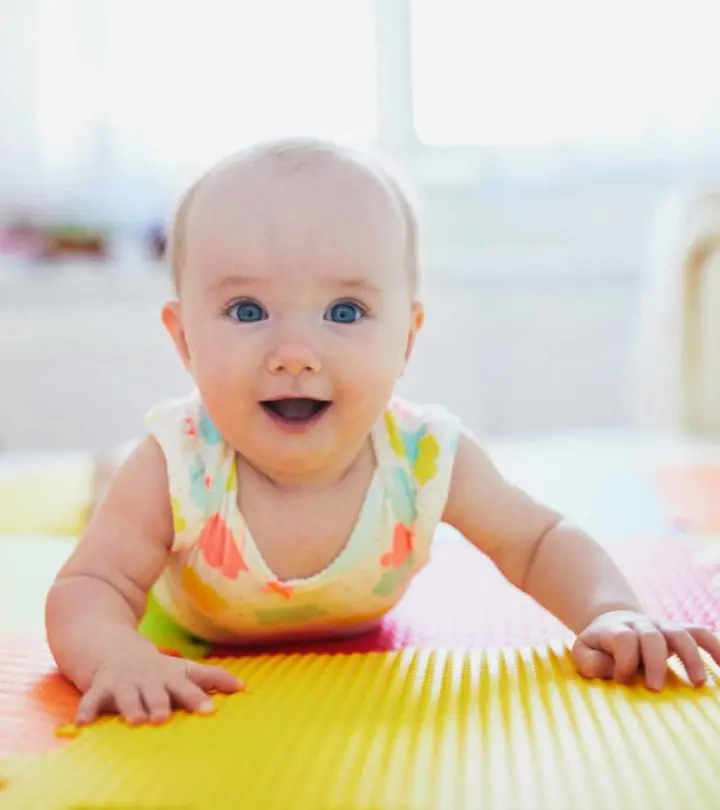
(294,396)
(268,401)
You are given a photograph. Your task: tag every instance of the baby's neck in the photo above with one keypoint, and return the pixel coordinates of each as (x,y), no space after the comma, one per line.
(320,480)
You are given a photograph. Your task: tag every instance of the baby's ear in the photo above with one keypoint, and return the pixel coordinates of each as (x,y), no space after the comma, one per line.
(173,323)
(417,319)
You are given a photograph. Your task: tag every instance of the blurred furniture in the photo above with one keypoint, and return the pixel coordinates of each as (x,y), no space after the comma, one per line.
(678,373)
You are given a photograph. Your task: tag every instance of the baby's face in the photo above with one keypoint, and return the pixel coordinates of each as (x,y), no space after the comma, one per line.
(296,314)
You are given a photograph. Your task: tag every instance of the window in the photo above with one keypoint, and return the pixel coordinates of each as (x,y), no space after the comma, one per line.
(133,97)
(183,83)
(523,72)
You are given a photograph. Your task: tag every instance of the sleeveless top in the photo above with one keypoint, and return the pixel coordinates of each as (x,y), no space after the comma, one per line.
(216,584)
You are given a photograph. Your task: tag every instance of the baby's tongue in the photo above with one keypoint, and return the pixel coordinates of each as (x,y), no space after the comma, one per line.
(296,409)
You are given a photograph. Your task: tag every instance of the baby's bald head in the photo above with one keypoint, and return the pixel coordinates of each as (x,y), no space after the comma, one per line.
(232,183)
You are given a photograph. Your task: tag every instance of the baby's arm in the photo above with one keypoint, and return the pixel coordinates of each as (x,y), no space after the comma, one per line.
(94,606)
(568,573)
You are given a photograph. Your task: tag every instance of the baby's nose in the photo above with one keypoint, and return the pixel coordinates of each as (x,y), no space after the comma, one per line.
(293,358)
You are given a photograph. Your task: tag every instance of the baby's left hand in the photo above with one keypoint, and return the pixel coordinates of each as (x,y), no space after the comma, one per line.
(621,643)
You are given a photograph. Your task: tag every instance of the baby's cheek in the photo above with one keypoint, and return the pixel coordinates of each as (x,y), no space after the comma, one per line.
(223,371)
(228,400)
(382,350)
(368,383)
(371,365)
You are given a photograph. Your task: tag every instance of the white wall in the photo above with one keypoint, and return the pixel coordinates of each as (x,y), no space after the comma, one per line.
(18,126)
(80,361)
(582,227)
(519,358)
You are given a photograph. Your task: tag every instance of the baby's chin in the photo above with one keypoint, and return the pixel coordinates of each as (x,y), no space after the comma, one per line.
(283,456)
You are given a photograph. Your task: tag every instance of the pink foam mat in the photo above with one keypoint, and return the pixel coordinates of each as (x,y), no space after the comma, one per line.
(461,600)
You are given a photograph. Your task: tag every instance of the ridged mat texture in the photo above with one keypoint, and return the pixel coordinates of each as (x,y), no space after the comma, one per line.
(434,719)
(459,602)
(435,729)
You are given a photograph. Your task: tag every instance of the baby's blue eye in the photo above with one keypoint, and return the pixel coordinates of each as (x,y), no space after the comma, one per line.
(247,312)
(345,312)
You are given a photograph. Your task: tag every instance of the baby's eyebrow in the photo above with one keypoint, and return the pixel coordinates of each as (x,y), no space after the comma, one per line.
(361,285)
(236,280)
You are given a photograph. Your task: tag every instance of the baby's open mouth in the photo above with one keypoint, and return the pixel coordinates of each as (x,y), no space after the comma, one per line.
(296,409)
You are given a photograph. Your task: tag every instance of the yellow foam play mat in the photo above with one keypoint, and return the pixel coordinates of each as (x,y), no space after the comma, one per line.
(48,498)
(424,713)
(428,729)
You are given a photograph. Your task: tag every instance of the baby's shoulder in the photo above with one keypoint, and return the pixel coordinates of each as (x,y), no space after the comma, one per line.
(417,447)
(409,416)
(175,411)
(187,436)
(415,432)
(182,418)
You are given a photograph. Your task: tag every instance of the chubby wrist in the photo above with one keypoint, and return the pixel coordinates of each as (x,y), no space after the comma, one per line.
(618,609)
(118,643)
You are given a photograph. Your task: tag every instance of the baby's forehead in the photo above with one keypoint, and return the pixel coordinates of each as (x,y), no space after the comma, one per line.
(303,204)
(309,179)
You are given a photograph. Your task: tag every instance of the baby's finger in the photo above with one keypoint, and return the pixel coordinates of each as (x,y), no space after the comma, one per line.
(654,651)
(214,679)
(624,645)
(157,702)
(591,663)
(129,704)
(684,646)
(706,639)
(93,703)
(188,695)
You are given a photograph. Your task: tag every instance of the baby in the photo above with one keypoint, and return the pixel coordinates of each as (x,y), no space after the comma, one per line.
(292,494)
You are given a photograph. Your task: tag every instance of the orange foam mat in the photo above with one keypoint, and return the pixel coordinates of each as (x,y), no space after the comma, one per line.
(34,698)
(691,496)
(430,729)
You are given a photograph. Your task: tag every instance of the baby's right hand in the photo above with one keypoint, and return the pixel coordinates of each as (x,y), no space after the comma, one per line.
(146,687)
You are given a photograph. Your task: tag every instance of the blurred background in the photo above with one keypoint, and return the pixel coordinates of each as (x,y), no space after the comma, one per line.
(565,156)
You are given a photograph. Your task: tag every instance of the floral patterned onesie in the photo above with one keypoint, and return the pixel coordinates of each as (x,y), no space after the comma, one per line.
(217,585)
